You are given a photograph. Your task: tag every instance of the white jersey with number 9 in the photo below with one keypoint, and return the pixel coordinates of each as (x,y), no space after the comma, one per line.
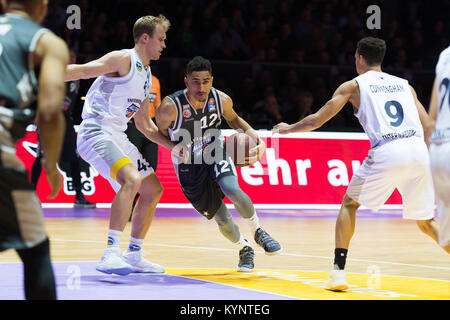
(387,109)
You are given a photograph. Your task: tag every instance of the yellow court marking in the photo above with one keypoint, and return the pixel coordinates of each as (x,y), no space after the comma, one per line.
(311,284)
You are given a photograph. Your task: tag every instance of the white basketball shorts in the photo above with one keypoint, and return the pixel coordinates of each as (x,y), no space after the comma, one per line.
(403,164)
(108,151)
(440,168)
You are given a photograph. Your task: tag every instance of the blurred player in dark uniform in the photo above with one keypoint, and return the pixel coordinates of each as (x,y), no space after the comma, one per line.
(32,67)
(69,151)
(194,115)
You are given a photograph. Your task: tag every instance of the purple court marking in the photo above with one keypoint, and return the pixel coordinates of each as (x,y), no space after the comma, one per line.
(80,281)
(76,213)
(191,213)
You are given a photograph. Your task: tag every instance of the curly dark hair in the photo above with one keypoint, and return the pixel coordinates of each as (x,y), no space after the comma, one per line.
(198,63)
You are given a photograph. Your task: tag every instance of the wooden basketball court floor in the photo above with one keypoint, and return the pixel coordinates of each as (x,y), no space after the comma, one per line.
(389,259)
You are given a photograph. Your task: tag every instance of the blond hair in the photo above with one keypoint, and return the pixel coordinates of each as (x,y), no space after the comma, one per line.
(147,24)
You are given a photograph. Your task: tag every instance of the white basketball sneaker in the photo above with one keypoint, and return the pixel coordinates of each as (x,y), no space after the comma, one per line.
(112,262)
(140,264)
(337,281)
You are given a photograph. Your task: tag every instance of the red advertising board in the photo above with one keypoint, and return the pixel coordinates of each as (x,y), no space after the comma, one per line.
(304,170)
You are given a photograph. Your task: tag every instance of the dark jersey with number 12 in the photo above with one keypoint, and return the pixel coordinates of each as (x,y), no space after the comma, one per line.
(196,128)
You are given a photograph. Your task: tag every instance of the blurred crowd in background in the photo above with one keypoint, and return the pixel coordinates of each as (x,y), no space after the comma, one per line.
(279,60)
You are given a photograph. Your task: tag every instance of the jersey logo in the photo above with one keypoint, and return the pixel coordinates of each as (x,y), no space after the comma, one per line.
(131,110)
(186,112)
(139,66)
(211,105)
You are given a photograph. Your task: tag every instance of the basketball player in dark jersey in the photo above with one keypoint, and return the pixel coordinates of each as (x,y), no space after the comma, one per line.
(192,118)
(32,67)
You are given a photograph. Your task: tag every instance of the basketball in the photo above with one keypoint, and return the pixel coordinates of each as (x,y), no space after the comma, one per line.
(238,146)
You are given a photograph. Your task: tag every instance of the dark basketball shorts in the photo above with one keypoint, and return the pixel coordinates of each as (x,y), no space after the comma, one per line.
(199,183)
(22,223)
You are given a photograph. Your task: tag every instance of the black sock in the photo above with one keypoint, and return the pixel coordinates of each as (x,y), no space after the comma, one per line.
(340,257)
(36,171)
(39,281)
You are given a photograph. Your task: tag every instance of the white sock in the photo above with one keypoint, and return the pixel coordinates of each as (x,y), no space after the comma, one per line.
(253,222)
(114,238)
(242,242)
(135,244)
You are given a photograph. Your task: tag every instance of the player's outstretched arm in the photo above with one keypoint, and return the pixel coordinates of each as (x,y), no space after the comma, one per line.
(149,128)
(237,123)
(165,116)
(115,63)
(53,55)
(341,96)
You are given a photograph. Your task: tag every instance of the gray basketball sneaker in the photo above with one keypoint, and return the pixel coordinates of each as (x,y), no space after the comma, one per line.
(246,255)
(270,245)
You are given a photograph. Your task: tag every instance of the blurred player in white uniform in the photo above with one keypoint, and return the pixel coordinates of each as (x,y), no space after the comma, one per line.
(394,120)
(440,145)
(121,92)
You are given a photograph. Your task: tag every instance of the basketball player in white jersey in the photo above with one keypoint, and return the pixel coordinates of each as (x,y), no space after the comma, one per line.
(121,92)
(440,145)
(394,120)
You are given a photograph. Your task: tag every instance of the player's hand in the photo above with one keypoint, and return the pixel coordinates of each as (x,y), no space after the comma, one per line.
(181,153)
(55,180)
(281,128)
(255,153)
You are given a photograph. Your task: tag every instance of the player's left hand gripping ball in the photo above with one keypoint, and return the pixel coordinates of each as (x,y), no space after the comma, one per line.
(256,152)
